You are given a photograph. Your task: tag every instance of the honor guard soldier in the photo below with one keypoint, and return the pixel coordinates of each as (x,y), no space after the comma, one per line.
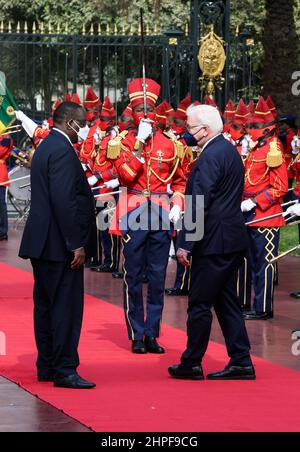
(182,279)
(265,185)
(161,116)
(238,132)
(287,131)
(146,162)
(126,120)
(106,178)
(108,119)
(92,105)
(228,118)
(87,154)
(251,107)
(6,146)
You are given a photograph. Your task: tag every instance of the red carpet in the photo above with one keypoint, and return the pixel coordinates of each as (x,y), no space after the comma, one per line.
(134,393)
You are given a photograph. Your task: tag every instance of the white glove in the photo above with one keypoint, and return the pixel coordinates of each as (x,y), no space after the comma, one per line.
(97,137)
(114,183)
(20,115)
(114,132)
(92,180)
(144,131)
(175,214)
(295,145)
(247,143)
(28,125)
(293,210)
(84,167)
(45,124)
(169,190)
(247,205)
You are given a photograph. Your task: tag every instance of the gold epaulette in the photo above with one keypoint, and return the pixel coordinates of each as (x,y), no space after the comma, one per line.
(189,153)
(179,147)
(114,146)
(274,156)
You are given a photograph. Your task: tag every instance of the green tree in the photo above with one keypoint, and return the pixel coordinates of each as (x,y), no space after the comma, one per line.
(280,54)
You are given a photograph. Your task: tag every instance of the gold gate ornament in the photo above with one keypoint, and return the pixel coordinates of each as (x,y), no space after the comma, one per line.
(211,60)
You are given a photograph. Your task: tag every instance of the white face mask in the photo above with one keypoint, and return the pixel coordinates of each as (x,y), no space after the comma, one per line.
(82,132)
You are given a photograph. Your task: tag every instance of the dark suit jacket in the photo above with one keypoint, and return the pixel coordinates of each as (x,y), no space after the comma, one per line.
(62,213)
(219,177)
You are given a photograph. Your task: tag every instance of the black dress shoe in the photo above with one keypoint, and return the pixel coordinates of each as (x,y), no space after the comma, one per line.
(3,237)
(73,382)
(234,373)
(104,268)
(118,275)
(258,315)
(152,346)
(184,373)
(44,378)
(138,347)
(176,292)
(295,294)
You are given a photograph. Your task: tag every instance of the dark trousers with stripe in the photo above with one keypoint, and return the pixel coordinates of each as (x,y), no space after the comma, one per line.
(110,248)
(3,212)
(108,244)
(58,311)
(256,270)
(140,247)
(213,285)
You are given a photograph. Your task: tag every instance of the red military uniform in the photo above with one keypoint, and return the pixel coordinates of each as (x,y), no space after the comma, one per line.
(294,168)
(146,164)
(92,105)
(103,168)
(266,183)
(6,146)
(228,116)
(178,130)
(238,128)
(161,166)
(288,150)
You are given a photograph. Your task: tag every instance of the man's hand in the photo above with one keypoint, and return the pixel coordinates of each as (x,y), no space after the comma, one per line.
(247,205)
(182,257)
(79,259)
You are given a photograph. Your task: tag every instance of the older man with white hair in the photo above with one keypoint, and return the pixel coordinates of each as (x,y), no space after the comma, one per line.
(218,177)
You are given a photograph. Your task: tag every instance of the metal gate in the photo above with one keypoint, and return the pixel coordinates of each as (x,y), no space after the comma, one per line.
(42,64)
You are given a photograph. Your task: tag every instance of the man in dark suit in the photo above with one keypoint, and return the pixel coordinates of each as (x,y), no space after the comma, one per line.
(56,239)
(218,176)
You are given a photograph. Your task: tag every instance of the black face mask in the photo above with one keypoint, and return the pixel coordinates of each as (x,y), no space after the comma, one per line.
(190,139)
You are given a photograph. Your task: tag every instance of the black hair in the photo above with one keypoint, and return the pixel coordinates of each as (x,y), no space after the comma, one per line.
(65,112)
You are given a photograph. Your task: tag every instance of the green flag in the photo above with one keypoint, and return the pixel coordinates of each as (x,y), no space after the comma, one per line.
(7,106)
